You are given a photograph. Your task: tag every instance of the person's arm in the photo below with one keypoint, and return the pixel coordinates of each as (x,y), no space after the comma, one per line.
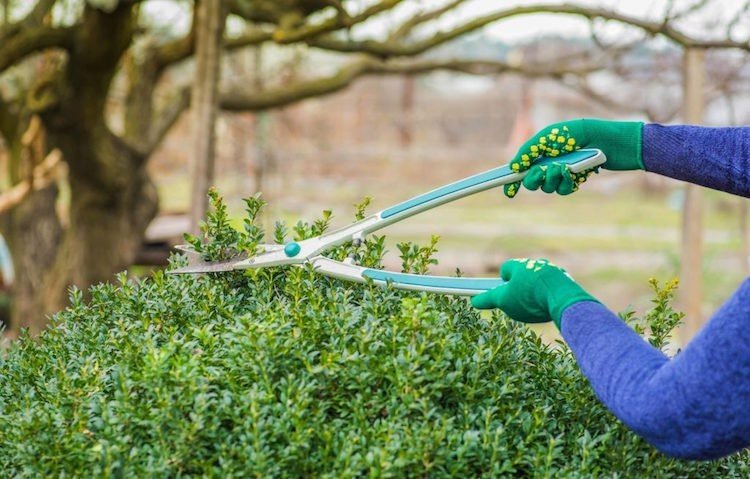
(717,158)
(695,406)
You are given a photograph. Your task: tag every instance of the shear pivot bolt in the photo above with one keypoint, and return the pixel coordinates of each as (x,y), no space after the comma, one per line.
(292,249)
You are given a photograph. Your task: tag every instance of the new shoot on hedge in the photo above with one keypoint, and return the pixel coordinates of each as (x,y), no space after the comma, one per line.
(281,372)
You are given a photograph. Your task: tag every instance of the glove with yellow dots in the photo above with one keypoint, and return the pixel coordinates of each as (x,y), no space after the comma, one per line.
(619,140)
(535,291)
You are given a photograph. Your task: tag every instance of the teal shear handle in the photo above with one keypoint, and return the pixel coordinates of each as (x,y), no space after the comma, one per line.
(577,161)
(433,284)
(311,250)
(415,282)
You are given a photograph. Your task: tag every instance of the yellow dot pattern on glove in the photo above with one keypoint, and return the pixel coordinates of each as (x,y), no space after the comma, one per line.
(580,178)
(552,143)
(558,141)
(536,265)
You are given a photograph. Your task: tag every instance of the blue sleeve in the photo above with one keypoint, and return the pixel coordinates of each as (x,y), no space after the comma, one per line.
(694,406)
(718,158)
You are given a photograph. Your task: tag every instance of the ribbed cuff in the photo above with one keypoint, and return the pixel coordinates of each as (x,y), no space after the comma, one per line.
(624,142)
(564,292)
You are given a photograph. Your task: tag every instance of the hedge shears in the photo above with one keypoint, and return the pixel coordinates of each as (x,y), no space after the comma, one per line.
(309,251)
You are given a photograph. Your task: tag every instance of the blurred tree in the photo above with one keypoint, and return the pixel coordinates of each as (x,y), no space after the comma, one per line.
(94,93)
(211,17)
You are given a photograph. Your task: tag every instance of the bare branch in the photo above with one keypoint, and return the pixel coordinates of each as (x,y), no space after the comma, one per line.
(722,83)
(391,49)
(177,50)
(583,88)
(738,19)
(43,174)
(282,96)
(277,97)
(34,18)
(33,40)
(165,120)
(273,12)
(421,18)
(687,10)
(182,49)
(309,31)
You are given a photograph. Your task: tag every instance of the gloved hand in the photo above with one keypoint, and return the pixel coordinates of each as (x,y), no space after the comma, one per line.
(536,291)
(619,140)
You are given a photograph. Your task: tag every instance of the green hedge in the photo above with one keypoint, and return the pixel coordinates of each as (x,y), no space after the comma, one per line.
(284,373)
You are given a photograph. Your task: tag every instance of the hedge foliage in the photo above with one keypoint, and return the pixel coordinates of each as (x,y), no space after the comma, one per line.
(284,373)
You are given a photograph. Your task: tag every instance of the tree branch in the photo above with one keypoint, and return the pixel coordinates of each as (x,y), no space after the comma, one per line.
(183,48)
(282,96)
(43,174)
(738,19)
(34,18)
(389,49)
(690,9)
(336,23)
(33,40)
(408,26)
(166,118)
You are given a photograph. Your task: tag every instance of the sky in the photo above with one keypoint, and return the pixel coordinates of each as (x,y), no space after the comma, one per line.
(719,12)
(710,21)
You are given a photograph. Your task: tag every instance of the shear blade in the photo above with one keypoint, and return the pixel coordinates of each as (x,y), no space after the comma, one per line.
(207,267)
(185,248)
(196,265)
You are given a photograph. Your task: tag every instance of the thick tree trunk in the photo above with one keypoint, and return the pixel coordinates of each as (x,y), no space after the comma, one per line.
(112,199)
(33,232)
(204,102)
(106,230)
(112,202)
(104,233)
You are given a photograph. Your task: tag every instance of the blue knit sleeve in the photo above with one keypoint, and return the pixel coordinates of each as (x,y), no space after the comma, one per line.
(718,158)
(694,406)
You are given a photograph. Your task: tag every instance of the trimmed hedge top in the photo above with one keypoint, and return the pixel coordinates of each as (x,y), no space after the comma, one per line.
(284,373)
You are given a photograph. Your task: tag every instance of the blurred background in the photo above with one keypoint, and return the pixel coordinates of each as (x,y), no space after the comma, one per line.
(116,116)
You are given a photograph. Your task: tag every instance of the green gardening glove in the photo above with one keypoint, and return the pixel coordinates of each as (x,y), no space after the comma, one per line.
(535,291)
(619,140)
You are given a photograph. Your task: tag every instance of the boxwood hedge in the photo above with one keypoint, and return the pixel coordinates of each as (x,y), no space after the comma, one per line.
(284,373)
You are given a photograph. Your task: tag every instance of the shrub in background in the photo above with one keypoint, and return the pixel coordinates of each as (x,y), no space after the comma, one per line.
(285,373)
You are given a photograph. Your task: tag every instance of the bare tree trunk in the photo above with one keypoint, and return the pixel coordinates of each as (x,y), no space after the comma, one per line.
(33,232)
(692,219)
(105,232)
(264,173)
(260,126)
(31,227)
(262,153)
(210,30)
(406,125)
(112,199)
